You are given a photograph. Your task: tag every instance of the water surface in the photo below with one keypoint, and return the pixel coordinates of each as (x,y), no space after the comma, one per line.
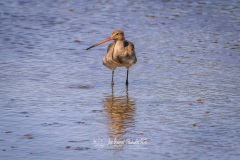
(182,101)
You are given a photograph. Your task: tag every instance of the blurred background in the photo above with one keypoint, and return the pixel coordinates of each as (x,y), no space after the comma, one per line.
(182,102)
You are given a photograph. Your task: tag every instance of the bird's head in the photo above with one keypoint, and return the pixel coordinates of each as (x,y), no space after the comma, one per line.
(116,35)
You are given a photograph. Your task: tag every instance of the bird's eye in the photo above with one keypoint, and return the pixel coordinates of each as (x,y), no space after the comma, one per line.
(117,34)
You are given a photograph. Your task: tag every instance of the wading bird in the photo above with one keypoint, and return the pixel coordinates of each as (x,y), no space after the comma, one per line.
(120,53)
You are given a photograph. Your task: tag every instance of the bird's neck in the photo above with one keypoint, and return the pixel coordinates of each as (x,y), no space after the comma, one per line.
(119,47)
(119,44)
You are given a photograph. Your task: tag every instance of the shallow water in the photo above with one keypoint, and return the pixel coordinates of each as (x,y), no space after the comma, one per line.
(182,101)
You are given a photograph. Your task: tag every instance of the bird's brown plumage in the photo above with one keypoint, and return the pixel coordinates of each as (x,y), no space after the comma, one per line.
(123,58)
(120,53)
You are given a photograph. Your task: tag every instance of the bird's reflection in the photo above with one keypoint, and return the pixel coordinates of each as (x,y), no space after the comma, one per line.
(120,113)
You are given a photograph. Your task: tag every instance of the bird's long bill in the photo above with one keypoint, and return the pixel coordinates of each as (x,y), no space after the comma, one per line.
(103,41)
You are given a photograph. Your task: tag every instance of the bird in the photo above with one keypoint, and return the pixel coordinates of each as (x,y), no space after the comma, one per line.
(120,53)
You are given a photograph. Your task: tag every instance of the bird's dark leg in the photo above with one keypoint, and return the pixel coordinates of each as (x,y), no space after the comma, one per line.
(127,77)
(112,77)
(127,91)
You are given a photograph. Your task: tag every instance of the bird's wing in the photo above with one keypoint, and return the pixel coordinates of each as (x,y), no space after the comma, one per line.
(110,49)
(130,47)
(131,50)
